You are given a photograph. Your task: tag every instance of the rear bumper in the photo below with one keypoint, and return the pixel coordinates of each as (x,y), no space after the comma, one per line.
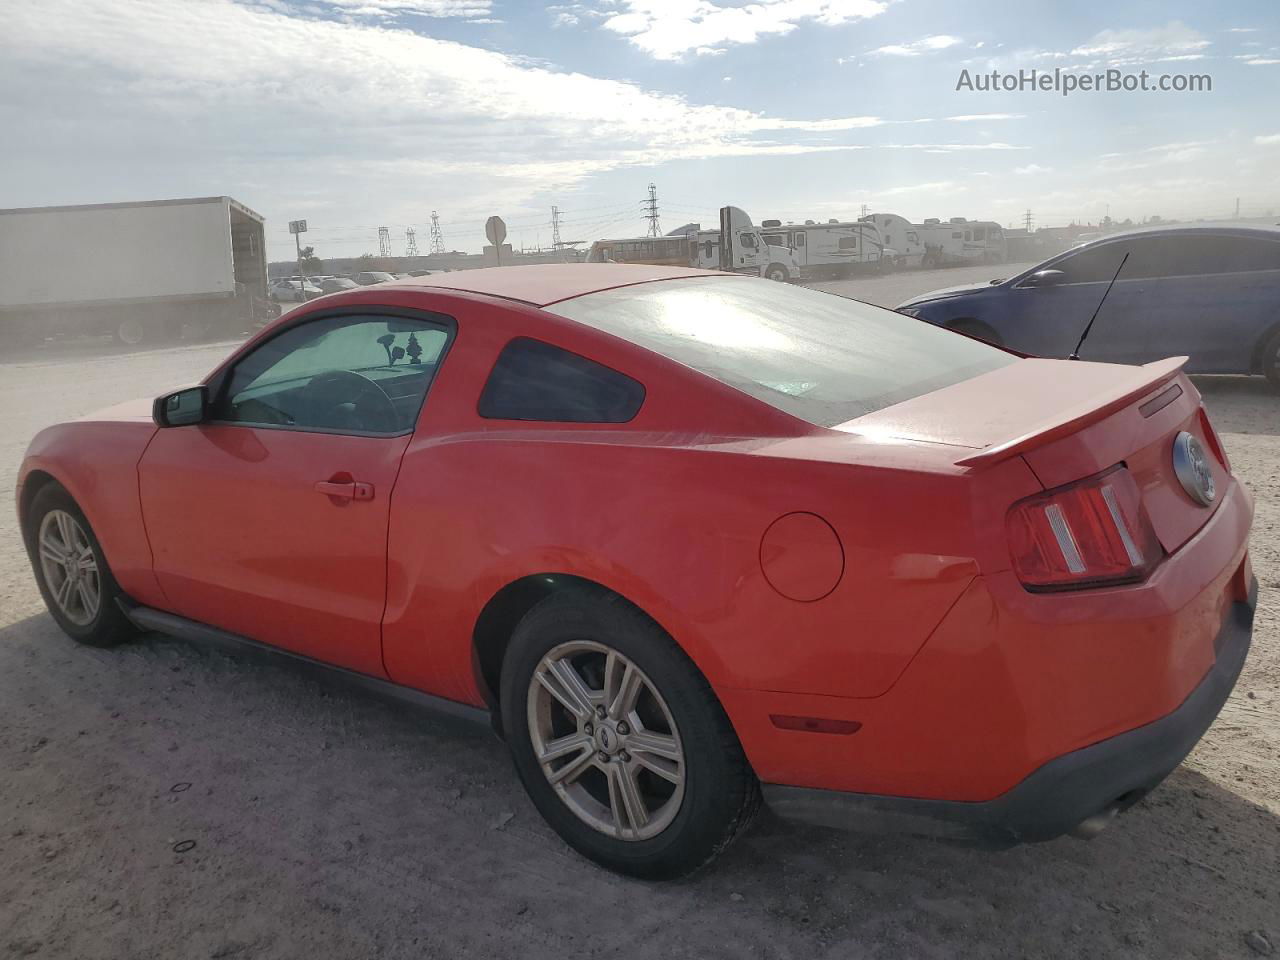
(1057,797)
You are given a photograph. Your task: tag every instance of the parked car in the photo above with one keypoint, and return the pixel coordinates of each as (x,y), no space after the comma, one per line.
(338,284)
(293,291)
(688,539)
(1211,293)
(369,277)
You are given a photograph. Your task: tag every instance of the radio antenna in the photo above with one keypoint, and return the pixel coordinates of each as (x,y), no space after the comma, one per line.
(1075,354)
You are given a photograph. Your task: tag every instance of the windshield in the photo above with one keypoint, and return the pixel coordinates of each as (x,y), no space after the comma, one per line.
(822,358)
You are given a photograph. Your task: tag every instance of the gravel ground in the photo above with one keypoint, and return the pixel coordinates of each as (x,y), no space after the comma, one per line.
(168,801)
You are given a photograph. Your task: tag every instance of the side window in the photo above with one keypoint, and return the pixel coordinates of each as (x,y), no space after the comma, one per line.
(532,380)
(359,374)
(1187,256)
(957,236)
(800,239)
(980,233)
(1095,264)
(847,243)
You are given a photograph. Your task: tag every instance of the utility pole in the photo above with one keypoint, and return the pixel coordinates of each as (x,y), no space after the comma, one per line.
(1237,208)
(864,210)
(410,242)
(1027,220)
(437,238)
(384,242)
(651,211)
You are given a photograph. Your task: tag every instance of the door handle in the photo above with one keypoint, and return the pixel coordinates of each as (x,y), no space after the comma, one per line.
(343,490)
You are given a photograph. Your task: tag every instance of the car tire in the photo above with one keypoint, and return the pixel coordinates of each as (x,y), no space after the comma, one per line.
(54,519)
(656,797)
(1271,360)
(976,329)
(778,272)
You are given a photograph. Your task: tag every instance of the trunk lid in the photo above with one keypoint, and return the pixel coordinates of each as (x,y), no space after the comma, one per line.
(1069,420)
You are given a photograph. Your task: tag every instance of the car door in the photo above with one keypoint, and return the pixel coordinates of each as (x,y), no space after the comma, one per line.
(269,519)
(1204,296)
(1046,320)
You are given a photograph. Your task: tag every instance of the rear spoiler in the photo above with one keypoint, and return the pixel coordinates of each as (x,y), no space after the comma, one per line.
(1098,406)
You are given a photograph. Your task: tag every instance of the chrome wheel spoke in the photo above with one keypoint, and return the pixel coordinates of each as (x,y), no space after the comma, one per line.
(88,597)
(621,699)
(563,683)
(70,567)
(658,744)
(50,553)
(564,746)
(629,812)
(668,770)
(86,562)
(572,770)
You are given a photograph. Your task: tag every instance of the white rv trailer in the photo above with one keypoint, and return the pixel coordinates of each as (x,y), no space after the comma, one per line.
(900,235)
(959,241)
(829,250)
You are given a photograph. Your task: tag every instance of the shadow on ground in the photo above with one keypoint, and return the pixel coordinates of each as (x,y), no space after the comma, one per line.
(326,821)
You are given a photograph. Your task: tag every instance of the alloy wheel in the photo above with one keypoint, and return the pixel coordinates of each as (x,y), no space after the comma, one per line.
(606,740)
(70,567)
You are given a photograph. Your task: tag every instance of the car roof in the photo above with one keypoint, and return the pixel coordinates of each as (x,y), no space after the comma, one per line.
(1260,231)
(546,283)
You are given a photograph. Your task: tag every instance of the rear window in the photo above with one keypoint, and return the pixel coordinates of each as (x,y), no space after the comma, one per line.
(532,380)
(822,358)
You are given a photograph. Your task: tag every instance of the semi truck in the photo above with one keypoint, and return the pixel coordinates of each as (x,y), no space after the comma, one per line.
(143,272)
(745,252)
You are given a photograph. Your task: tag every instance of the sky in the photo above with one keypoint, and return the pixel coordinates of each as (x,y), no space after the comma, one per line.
(355,114)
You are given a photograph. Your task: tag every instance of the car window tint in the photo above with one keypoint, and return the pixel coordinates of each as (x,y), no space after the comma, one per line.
(817,356)
(532,380)
(1196,255)
(343,374)
(1094,264)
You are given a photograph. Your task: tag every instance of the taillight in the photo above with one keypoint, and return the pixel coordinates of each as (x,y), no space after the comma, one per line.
(1090,533)
(1212,439)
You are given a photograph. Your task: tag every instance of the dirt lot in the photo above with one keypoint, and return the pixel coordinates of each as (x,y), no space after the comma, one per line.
(324,823)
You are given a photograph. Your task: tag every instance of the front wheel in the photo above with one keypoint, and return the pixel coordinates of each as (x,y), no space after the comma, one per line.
(777,272)
(72,572)
(619,740)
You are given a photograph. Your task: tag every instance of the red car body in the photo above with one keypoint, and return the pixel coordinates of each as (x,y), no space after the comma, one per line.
(848,592)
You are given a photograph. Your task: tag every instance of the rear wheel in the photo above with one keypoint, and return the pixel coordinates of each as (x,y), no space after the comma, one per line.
(74,580)
(618,739)
(1271,360)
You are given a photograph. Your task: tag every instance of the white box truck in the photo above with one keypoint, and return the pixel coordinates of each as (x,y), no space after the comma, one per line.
(960,241)
(141,271)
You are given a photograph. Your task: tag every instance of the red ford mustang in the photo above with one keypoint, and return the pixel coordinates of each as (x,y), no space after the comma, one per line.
(690,539)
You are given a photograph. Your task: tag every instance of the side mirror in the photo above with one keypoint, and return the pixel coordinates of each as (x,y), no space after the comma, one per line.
(1044,278)
(182,407)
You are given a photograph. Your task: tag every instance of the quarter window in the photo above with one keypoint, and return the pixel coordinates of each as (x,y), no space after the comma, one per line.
(532,380)
(339,374)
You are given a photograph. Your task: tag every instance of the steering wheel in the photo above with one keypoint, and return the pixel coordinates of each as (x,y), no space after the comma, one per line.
(347,399)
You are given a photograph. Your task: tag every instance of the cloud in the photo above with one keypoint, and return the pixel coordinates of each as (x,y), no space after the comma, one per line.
(982,117)
(1242,30)
(1267,139)
(916,47)
(667,29)
(1175,40)
(1032,168)
(1255,60)
(340,120)
(387,9)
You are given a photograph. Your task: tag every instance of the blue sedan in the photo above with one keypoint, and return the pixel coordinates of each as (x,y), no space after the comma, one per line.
(1209,292)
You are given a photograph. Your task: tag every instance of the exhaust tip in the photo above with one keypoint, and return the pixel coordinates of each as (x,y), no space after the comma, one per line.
(1090,827)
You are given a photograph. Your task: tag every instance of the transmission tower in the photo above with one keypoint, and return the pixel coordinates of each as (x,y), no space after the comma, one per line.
(651,211)
(555,228)
(410,242)
(1027,220)
(437,238)
(384,242)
